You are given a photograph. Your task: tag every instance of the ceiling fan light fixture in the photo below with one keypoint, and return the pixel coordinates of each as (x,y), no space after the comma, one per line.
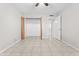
(51,15)
(42,4)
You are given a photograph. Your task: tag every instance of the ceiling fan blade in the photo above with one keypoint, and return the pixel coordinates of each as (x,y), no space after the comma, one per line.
(37,4)
(46,4)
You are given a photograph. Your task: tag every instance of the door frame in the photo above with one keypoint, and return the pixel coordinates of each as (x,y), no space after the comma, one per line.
(22,28)
(23,31)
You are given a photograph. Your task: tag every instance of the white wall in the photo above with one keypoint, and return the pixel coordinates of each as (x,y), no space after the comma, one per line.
(45,27)
(70,25)
(9,25)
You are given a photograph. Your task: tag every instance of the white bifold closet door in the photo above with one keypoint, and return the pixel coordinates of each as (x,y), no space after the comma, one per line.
(56,28)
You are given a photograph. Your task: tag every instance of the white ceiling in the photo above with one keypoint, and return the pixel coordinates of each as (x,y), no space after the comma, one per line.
(30,9)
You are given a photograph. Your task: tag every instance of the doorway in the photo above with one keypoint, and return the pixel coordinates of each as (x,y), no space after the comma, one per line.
(31,27)
(57,28)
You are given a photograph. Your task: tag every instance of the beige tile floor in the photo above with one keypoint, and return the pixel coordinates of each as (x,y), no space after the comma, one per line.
(35,47)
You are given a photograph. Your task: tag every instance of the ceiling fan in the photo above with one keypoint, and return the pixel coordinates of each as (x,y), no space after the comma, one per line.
(37,4)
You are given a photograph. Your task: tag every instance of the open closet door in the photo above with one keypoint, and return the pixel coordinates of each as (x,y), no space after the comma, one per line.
(56,31)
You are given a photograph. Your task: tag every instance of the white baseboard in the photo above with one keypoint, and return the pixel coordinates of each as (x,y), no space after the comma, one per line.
(9,46)
(70,45)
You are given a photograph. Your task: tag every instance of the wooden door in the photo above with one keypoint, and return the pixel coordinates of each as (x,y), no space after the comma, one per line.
(22,28)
